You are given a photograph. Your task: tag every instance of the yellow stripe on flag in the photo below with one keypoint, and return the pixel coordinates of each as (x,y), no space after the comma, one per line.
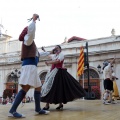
(80,69)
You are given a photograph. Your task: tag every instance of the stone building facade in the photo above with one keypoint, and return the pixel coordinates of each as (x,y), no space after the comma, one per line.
(99,50)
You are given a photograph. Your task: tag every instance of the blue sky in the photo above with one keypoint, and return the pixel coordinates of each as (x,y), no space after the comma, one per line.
(88,19)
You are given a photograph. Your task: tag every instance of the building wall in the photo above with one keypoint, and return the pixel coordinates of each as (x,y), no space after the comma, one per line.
(99,50)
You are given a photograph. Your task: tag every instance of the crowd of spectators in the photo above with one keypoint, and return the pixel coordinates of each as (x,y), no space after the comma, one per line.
(8,100)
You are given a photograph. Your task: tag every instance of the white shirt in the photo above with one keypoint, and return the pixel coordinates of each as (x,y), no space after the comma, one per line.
(30,36)
(107,72)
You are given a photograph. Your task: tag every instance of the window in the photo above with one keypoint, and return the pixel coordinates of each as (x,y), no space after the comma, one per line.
(93,74)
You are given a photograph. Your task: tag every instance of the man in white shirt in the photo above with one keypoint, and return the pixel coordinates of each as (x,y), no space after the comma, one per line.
(29,78)
(108,83)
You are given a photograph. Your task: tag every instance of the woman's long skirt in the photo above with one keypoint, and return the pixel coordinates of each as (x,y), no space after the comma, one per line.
(64,88)
(115,87)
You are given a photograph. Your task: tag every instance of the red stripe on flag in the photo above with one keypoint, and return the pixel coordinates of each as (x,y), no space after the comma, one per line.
(80,69)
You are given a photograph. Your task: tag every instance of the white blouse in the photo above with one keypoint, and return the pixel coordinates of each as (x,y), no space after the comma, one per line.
(59,56)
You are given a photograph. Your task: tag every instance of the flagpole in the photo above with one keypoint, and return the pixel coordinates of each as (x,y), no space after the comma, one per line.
(89,87)
(83,79)
(90,95)
(80,70)
(83,83)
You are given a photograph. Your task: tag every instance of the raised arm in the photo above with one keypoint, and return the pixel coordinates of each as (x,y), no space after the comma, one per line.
(112,61)
(29,37)
(45,53)
(58,60)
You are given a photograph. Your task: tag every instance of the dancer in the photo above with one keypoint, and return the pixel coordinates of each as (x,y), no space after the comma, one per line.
(108,83)
(29,77)
(115,87)
(59,86)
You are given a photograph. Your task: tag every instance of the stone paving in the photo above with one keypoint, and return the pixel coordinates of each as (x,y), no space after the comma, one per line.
(76,110)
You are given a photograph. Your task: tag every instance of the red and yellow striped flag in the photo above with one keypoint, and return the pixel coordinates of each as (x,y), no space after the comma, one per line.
(80,69)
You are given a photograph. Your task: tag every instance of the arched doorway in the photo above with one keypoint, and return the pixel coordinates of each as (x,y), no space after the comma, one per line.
(12,84)
(42,77)
(94,82)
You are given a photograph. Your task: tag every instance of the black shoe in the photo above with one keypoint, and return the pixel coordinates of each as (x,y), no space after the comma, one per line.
(59,107)
(46,108)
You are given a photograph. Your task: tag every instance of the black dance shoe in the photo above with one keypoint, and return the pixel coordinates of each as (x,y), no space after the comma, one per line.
(59,107)
(46,108)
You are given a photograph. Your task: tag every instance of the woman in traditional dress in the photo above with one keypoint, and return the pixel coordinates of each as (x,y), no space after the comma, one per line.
(59,86)
(115,87)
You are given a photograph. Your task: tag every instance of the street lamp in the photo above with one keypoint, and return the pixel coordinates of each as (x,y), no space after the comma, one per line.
(15,75)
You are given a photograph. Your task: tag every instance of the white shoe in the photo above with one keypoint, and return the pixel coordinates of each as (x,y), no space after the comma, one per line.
(10,115)
(114,102)
(45,112)
(105,103)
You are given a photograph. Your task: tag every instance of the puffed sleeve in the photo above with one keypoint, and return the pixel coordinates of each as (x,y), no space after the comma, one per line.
(61,57)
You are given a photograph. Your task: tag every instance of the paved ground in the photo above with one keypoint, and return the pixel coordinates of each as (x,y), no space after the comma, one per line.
(77,110)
